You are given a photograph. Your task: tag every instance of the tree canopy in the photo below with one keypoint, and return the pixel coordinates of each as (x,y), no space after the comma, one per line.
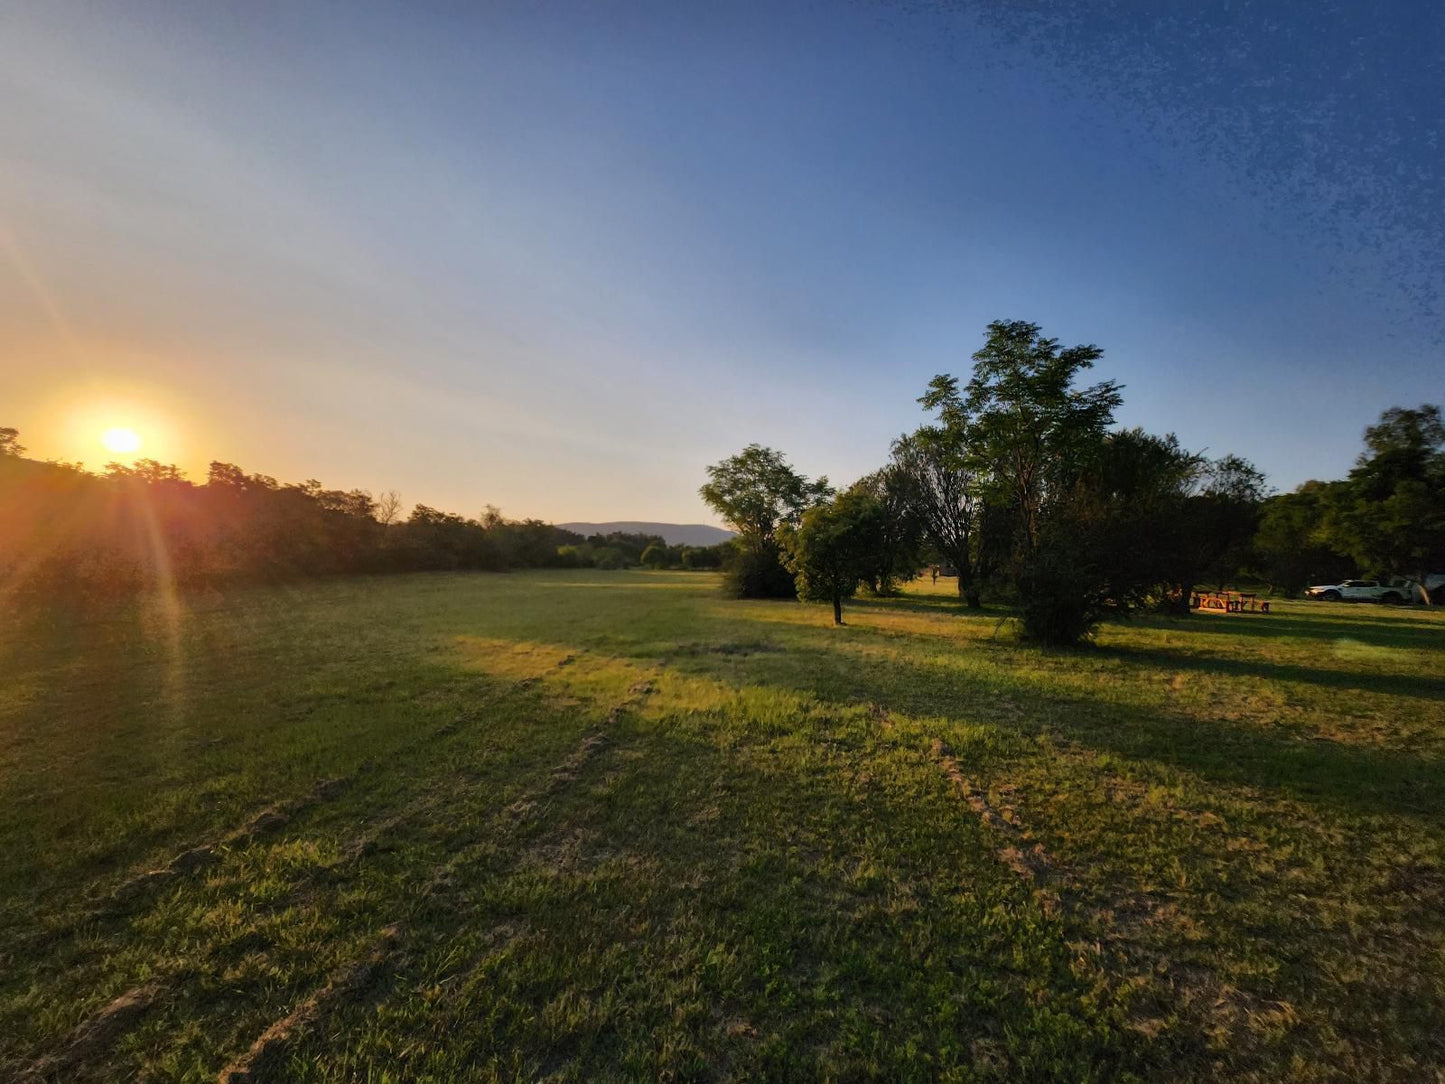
(835,546)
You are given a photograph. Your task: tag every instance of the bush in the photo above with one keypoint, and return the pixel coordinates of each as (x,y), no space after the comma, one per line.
(754,571)
(1061,601)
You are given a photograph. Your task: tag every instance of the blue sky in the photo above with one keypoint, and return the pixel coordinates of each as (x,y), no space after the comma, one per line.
(559,257)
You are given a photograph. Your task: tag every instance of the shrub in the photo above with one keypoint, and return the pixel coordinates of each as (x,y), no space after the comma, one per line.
(754,571)
(1061,600)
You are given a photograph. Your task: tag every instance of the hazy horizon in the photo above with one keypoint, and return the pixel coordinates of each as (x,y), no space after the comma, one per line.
(559,259)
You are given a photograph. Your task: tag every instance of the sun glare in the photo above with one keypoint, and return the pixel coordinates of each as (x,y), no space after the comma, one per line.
(120,440)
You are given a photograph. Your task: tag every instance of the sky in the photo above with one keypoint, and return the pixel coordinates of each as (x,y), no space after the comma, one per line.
(559,257)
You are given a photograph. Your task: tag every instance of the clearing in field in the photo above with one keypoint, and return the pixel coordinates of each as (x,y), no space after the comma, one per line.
(592,826)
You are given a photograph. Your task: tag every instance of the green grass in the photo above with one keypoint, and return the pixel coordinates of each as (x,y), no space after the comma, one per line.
(611,826)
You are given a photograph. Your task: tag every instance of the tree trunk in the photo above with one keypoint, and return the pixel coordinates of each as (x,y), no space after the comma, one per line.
(837,610)
(967,592)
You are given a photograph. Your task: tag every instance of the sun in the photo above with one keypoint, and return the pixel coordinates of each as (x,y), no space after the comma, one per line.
(120,440)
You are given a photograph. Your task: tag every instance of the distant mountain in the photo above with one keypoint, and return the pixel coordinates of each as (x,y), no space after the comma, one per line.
(674,534)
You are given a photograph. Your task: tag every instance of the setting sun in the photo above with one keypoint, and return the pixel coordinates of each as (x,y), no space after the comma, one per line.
(120,440)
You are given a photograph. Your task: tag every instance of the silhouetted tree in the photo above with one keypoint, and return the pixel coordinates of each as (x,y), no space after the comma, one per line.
(388,507)
(1206,539)
(900,533)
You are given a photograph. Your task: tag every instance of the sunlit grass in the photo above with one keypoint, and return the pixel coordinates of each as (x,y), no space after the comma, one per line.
(629,829)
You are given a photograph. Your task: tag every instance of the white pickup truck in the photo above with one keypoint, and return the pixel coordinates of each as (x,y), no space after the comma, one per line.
(1396,590)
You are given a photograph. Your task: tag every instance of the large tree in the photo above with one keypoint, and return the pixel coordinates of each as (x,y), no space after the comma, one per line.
(757,491)
(1106,544)
(1206,538)
(1030,430)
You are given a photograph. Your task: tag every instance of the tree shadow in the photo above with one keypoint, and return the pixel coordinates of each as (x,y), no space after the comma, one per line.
(1376,631)
(1411,685)
(947,605)
(1287,759)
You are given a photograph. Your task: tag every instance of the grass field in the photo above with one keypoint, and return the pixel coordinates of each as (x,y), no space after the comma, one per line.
(610,826)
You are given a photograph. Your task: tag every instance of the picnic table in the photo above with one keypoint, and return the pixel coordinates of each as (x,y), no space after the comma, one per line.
(1230,602)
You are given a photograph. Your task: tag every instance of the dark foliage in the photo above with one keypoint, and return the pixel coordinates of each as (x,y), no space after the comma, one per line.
(756,570)
(1062,598)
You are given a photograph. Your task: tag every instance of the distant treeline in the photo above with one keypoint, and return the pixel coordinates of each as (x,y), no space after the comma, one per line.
(1020,485)
(67,531)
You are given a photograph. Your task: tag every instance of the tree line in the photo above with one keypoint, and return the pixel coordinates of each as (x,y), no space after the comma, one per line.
(69,532)
(1020,485)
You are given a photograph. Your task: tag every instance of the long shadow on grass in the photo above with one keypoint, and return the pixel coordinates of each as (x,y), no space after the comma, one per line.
(1290,761)
(931,604)
(1422,686)
(1375,631)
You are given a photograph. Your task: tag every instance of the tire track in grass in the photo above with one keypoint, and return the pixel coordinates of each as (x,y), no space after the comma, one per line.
(442,882)
(95,1035)
(265,1058)
(1213,1005)
(100,1030)
(126,897)
(98,1033)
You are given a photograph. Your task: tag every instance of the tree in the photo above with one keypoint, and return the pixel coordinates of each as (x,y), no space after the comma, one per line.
(1103,548)
(947,497)
(834,546)
(900,537)
(1389,514)
(1291,548)
(10,441)
(655,556)
(388,507)
(609,558)
(1029,429)
(758,493)
(1206,539)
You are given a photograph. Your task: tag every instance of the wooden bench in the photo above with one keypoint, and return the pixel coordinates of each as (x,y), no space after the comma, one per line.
(1230,602)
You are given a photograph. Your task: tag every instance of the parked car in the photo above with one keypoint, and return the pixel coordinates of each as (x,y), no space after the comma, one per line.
(1395,590)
